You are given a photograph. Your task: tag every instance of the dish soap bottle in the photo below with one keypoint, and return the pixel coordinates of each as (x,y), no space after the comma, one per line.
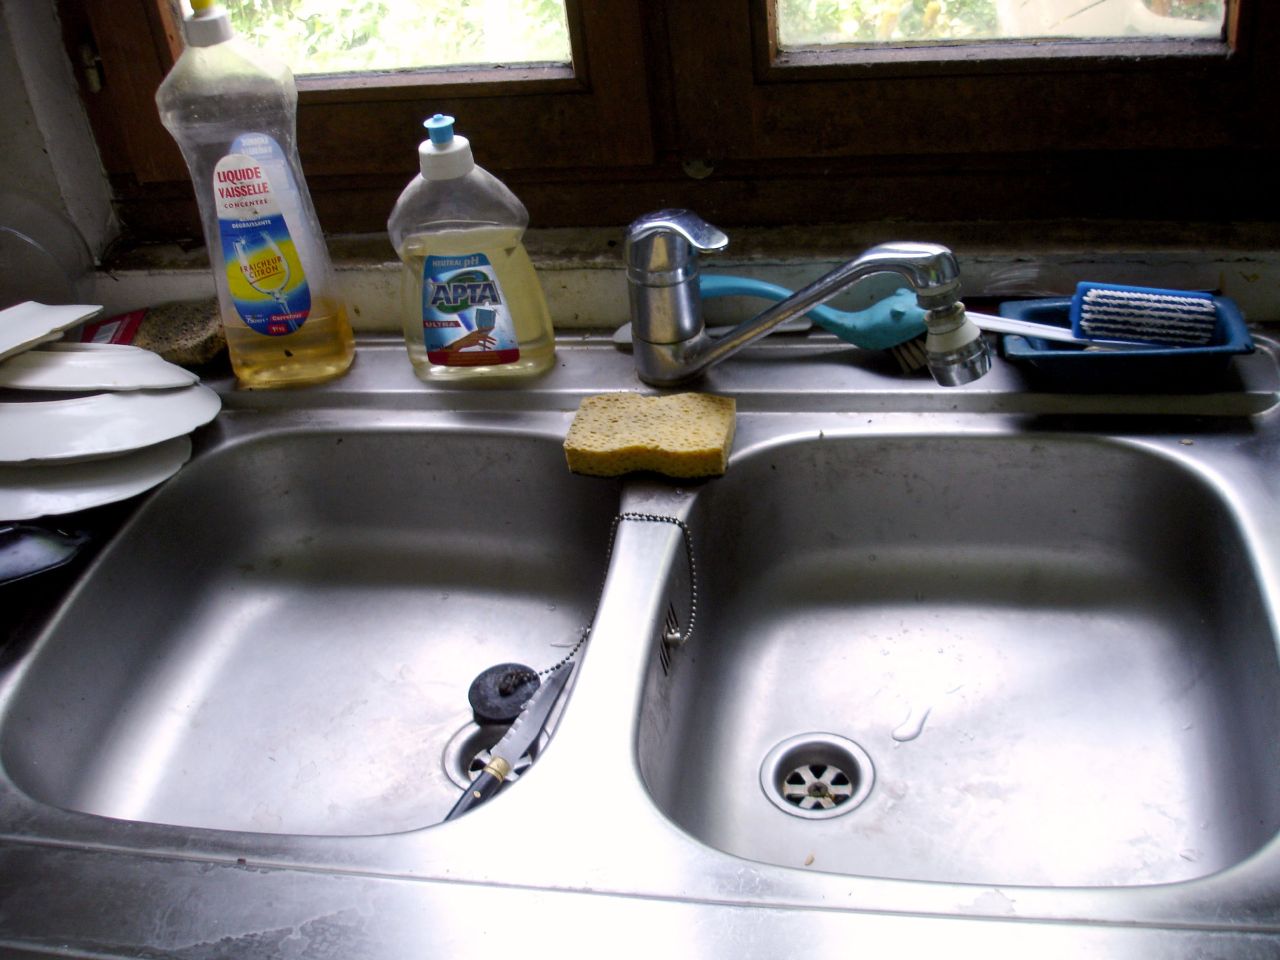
(471,302)
(233,114)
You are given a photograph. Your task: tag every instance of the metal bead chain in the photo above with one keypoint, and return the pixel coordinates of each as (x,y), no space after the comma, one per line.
(676,638)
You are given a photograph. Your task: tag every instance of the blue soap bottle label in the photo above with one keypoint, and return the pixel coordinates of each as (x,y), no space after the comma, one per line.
(465,318)
(265,277)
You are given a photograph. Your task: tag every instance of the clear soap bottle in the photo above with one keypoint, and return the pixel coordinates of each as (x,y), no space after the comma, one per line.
(233,114)
(471,303)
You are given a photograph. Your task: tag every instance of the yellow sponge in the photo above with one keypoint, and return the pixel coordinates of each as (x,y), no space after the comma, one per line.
(684,435)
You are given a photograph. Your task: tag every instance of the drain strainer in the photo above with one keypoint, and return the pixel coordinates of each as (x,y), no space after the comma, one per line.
(817,775)
(469,749)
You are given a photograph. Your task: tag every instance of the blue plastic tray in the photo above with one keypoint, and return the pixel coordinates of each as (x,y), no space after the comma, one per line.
(1168,369)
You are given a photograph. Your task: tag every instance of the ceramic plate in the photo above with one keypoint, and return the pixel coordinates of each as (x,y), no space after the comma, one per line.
(91,366)
(27,324)
(82,428)
(43,490)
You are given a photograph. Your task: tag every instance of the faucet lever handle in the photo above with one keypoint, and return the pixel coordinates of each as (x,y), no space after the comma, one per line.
(668,241)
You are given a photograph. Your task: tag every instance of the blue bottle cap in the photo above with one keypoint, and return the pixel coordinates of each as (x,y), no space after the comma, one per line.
(444,155)
(440,129)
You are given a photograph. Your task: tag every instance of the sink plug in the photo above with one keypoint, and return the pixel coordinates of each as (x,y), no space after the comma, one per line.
(498,693)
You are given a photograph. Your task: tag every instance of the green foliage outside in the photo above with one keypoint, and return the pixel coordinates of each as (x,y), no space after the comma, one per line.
(815,22)
(336,36)
(808,22)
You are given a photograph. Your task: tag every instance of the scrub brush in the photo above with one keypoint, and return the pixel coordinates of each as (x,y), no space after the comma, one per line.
(1108,316)
(1144,314)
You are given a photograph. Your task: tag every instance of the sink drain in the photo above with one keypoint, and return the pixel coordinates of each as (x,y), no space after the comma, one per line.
(817,775)
(468,751)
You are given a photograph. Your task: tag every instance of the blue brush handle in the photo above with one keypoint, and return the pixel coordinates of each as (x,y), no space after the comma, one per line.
(892,321)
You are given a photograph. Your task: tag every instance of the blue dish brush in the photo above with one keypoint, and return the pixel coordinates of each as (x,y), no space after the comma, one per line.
(886,324)
(895,323)
(1143,314)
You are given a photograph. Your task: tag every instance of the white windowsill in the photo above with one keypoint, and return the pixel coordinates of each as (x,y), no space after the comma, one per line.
(584,281)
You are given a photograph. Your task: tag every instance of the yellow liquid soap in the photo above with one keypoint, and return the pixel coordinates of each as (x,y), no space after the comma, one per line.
(482,293)
(321,349)
(232,112)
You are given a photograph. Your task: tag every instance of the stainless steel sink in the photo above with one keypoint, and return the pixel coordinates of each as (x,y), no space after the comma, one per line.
(973,672)
(1025,659)
(283,639)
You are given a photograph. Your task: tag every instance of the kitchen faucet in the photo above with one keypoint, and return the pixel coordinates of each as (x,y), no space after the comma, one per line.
(670,341)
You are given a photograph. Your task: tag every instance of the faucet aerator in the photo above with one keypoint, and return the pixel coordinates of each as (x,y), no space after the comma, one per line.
(954,348)
(958,367)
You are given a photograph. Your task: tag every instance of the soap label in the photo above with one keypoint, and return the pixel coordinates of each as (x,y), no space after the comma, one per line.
(465,318)
(264,274)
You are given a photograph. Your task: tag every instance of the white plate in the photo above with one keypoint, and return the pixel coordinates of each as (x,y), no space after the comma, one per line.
(86,427)
(26,324)
(44,490)
(91,366)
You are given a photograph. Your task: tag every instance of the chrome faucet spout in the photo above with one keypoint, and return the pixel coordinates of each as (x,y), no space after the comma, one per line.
(669,339)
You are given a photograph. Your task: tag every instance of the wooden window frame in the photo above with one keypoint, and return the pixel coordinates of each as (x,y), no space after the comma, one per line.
(673,103)
(1110,130)
(358,136)
(956,99)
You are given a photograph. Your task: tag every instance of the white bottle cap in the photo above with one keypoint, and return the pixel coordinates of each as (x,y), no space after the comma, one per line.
(444,156)
(207,25)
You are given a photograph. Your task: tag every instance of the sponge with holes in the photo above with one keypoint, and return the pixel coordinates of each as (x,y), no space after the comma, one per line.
(684,435)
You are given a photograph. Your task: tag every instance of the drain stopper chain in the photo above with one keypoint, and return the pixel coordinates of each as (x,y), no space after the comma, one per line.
(693,584)
(672,637)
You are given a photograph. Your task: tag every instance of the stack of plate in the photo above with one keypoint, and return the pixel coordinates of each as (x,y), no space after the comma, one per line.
(86,424)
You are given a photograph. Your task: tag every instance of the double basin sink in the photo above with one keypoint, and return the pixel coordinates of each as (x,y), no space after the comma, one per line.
(912,656)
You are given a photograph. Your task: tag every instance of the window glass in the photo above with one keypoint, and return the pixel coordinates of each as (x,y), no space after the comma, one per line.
(347,36)
(806,23)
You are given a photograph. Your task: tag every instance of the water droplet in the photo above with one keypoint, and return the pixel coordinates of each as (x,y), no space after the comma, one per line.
(912,726)
(551,606)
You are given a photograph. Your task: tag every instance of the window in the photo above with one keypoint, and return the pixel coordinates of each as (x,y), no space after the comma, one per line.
(723,107)
(805,23)
(1171,129)
(349,36)
(538,124)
